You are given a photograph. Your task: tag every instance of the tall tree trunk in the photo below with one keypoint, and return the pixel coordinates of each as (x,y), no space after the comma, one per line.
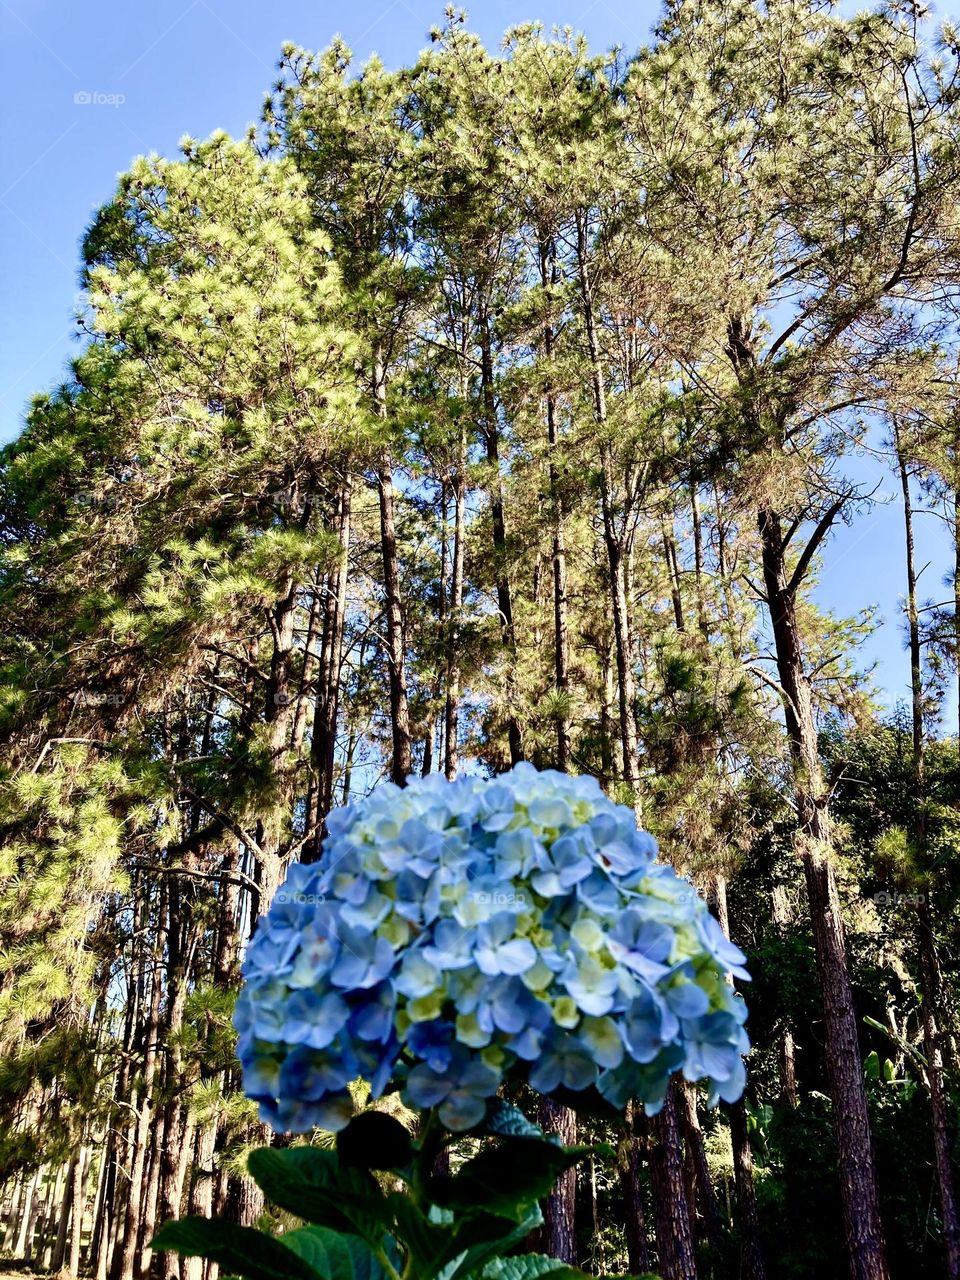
(100,1242)
(12,1216)
(454,615)
(81,1175)
(491,436)
(151,1194)
(608,736)
(780,914)
(631,1189)
(752,1256)
(670,1213)
(278,714)
(673,574)
(53,1200)
(613,541)
(316,620)
(200,1203)
(703,621)
(561,643)
(956,560)
(323,741)
(66,1209)
(590,1250)
(753,1266)
(929,984)
(939,1104)
(401,762)
(127,1239)
(558,1233)
(858,1186)
(703,1197)
(437,682)
(21,1248)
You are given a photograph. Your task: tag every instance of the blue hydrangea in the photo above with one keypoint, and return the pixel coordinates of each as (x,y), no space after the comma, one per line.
(458,933)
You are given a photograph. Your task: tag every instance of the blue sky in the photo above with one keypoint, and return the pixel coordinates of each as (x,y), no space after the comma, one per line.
(90,85)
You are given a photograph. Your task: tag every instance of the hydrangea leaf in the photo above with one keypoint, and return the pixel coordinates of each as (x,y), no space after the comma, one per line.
(492,1236)
(336,1255)
(240,1251)
(507,1178)
(430,1245)
(531,1266)
(458,1244)
(507,1121)
(313,1185)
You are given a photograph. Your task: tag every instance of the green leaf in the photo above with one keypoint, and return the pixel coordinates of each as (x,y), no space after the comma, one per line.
(374,1140)
(507,1178)
(313,1185)
(429,1243)
(530,1266)
(504,1120)
(240,1251)
(454,1248)
(334,1254)
(483,1234)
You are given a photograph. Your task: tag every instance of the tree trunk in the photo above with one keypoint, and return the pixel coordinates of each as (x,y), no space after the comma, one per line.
(148,1214)
(323,741)
(12,1217)
(127,1238)
(81,1176)
(703,1197)
(939,1104)
(278,713)
(63,1224)
(703,621)
(751,1250)
(613,542)
(21,1248)
(780,914)
(752,1264)
(861,1206)
(491,435)
(670,1212)
(590,1243)
(561,643)
(631,1188)
(956,561)
(200,1202)
(401,763)
(453,620)
(929,984)
(100,1240)
(673,575)
(558,1233)
(53,1197)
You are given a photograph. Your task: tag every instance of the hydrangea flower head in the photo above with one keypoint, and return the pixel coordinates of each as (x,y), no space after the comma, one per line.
(457,933)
